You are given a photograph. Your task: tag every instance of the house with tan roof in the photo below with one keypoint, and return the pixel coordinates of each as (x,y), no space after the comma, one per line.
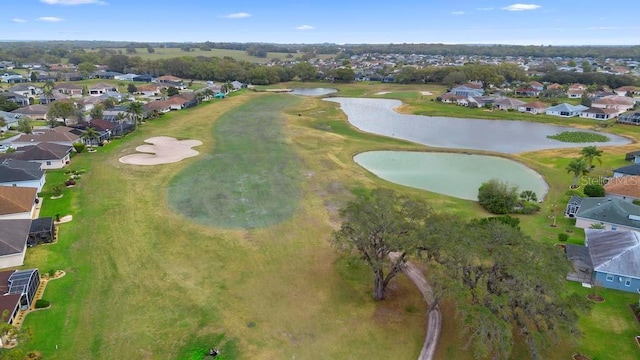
(34,112)
(619,103)
(623,187)
(171,81)
(101,88)
(61,135)
(575,91)
(599,114)
(68,89)
(624,90)
(17,202)
(536,107)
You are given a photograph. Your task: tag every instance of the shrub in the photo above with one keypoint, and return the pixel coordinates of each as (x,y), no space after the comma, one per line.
(497,197)
(70,182)
(57,190)
(529,208)
(79,147)
(594,190)
(41,303)
(636,202)
(562,237)
(571,192)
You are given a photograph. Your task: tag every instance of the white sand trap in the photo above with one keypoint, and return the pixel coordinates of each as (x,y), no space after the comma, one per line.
(426,93)
(163,150)
(383,93)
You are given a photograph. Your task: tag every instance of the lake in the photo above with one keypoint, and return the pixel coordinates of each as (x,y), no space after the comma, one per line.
(457,175)
(313,91)
(507,136)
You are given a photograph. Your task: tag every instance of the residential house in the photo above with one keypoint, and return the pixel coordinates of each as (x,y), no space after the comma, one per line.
(565,110)
(110,75)
(508,104)
(10,119)
(237,85)
(34,112)
(87,103)
(149,90)
(478,101)
(575,91)
(554,86)
(624,90)
(610,213)
(536,85)
(21,173)
(171,81)
(627,170)
(144,78)
(116,113)
(632,118)
(50,155)
(535,107)
(25,90)
(527,91)
(619,103)
(101,88)
(182,101)
(12,78)
(468,90)
(17,202)
(599,113)
(623,187)
(13,241)
(69,76)
(54,96)
(610,259)
(68,89)
(18,289)
(450,98)
(61,135)
(16,98)
(125,77)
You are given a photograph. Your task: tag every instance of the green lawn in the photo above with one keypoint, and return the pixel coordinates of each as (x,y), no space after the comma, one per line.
(146,282)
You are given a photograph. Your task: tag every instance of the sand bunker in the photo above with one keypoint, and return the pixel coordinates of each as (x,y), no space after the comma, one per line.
(163,150)
(426,93)
(383,93)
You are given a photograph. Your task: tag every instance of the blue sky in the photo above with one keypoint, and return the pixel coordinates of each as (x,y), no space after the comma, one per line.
(535,22)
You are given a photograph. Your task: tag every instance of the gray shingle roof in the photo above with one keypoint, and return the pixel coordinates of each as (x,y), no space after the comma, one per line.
(567,107)
(614,252)
(609,210)
(42,151)
(629,170)
(13,235)
(12,170)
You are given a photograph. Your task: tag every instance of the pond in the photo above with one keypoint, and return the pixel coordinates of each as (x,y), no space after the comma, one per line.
(507,136)
(313,91)
(457,175)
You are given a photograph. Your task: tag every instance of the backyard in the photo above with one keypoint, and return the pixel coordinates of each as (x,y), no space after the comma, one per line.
(147,282)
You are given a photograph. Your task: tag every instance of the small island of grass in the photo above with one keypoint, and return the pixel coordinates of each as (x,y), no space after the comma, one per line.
(579,137)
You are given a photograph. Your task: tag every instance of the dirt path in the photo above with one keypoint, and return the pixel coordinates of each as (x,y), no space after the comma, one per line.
(434,321)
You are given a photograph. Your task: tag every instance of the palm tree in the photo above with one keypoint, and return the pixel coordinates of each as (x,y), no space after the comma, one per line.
(135,110)
(91,134)
(579,168)
(529,196)
(591,153)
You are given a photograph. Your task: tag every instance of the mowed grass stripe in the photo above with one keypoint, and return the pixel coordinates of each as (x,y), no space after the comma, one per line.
(252,177)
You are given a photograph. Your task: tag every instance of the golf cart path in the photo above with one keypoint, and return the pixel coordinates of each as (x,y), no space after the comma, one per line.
(434,320)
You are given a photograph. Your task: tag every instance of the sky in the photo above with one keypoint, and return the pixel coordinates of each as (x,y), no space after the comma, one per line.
(535,22)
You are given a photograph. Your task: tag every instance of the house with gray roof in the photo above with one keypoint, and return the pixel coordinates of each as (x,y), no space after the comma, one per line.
(467,90)
(10,118)
(611,213)
(49,155)
(609,259)
(566,110)
(21,173)
(627,170)
(14,234)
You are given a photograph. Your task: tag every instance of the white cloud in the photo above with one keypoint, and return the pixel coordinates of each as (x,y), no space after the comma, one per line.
(18,20)
(305,27)
(73,2)
(457,13)
(50,19)
(240,15)
(485,9)
(521,7)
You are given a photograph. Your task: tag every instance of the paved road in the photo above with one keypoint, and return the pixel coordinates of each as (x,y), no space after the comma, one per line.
(434,321)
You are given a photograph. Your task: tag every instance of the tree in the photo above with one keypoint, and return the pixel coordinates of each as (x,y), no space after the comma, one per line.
(579,168)
(135,110)
(529,195)
(91,134)
(7,105)
(172,91)
(591,153)
(150,50)
(497,197)
(60,110)
(86,69)
(572,63)
(586,66)
(109,103)
(33,77)
(9,332)
(377,224)
(24,126)
(585,100)
(594,190)
(453,78)
(131,88)
(97,112)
